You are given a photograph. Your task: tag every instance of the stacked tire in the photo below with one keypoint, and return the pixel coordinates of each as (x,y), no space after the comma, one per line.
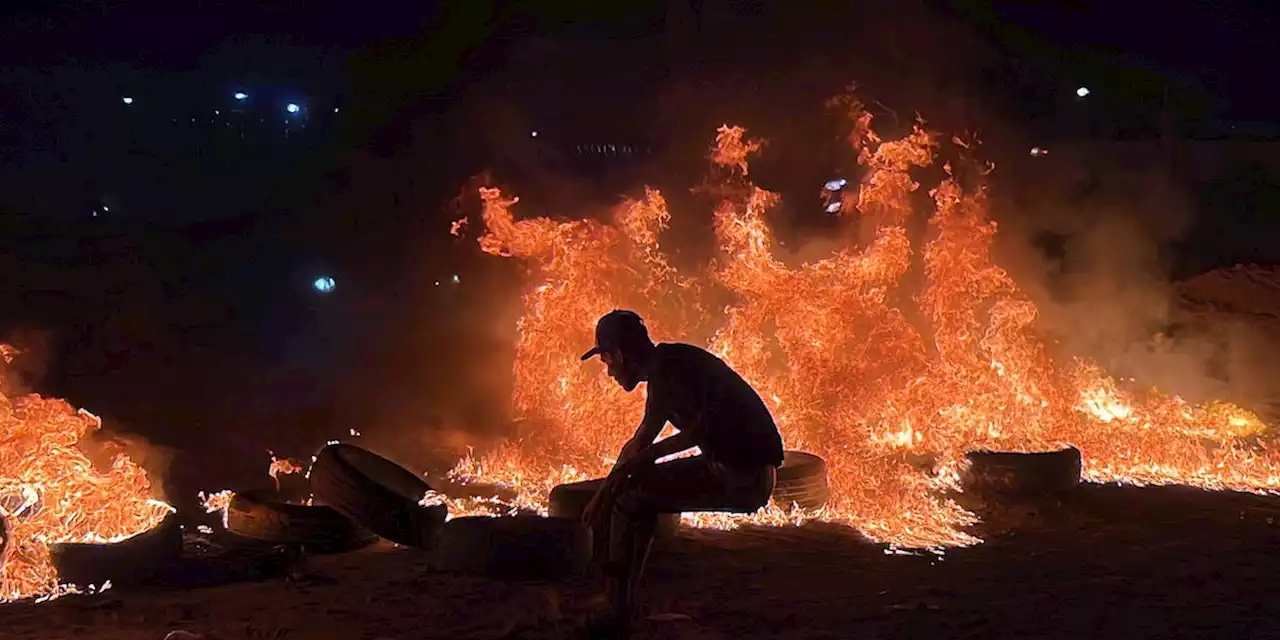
(131,561)
(570,500)
(802,481)
(515,548)
(262,516)
(377,493)
(1022,476)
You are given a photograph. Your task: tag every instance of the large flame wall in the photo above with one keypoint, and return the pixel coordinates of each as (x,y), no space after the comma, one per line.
(832,350)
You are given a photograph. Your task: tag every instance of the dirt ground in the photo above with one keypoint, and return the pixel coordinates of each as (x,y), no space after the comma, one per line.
(1105,562)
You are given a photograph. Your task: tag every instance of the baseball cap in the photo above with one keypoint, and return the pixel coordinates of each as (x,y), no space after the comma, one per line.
(616,328)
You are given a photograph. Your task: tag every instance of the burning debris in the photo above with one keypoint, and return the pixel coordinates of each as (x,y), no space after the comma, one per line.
(829,344)
(51,493)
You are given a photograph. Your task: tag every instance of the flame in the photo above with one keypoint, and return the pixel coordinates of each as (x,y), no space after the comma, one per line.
(220,501)
(51,493)
(284,466)
(455,227)
(861,360)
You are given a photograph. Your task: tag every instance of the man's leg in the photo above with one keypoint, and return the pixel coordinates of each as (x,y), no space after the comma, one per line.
(672,487)
(618,565)
(631,538)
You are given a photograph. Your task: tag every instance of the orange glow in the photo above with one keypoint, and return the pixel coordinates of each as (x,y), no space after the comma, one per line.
(858,364)
(50,492)
(283,466)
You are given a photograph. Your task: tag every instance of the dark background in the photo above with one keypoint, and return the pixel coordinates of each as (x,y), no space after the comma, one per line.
(158,256)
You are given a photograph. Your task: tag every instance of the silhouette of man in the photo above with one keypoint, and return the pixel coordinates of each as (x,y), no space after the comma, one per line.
(714,409)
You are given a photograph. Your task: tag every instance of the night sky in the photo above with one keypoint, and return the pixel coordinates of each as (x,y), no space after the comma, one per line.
(1221,49)
(1226,44)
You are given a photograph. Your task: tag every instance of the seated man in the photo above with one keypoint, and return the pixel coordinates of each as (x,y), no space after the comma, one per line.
(714,409)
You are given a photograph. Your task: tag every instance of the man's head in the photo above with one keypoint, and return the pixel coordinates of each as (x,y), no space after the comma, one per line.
(622,341)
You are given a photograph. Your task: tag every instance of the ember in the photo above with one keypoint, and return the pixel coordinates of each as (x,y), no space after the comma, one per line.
(52,493)
(829,346)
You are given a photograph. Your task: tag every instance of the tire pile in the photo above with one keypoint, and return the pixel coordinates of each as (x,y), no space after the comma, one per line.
(359,496)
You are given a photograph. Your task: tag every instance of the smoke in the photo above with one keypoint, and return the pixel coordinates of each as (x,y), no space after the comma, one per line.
(1090,233)
(1086,231)
(28,353)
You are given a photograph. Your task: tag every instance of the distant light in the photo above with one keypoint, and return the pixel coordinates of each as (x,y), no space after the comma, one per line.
(833,207)
(835,185)
(216,112)
(324,284)
(335,109)
(240,95)
(106,208)
(456,280)
(292,108)
(127,100)
(1039,151)
(533,134)
(1082,92)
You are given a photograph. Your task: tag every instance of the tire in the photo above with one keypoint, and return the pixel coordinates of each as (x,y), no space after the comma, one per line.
(802,480)
(1023,475)
(377,494)
(515,548)
(570,500)
(261,516)
(131,561)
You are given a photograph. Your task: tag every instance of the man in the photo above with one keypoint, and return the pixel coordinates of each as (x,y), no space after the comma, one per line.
(714,409)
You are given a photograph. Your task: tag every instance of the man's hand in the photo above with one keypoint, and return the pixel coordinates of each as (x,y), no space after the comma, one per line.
(600,503)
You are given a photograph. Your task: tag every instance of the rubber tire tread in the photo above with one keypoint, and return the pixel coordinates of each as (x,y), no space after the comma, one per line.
(570,500)
(257,515)
(339,483)
(129,561)
(515,548)
(802,479)
(1022,474)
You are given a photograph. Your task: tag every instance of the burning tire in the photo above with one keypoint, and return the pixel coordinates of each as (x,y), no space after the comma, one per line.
(130,561)
(515,548)
(260,516)
(376,493)
(802,480)
(570,500)
(1022,474)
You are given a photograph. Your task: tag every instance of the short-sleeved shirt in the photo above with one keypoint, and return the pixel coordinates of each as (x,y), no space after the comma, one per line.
(699,394)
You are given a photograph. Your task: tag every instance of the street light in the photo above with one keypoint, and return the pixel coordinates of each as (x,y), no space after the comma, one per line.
(127,100)
(1082,92)
(240,95)
(292,108)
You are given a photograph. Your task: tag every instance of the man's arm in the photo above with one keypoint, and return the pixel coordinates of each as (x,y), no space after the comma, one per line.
(682,441)
(655,418)
(650,426)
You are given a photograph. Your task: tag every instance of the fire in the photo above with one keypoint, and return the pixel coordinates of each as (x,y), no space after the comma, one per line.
(51,493)
(284,466)
(863,362)
(220,501)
